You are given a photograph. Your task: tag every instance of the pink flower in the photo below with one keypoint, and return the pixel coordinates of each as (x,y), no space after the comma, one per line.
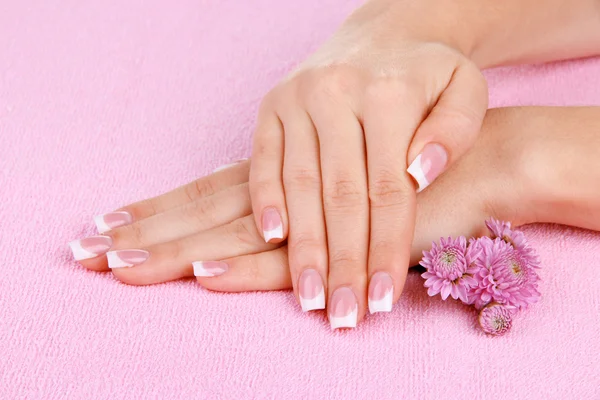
(449,267)
(496,319)
(515,237)
(504,275)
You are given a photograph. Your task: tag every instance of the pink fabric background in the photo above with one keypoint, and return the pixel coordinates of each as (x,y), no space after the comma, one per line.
(106,102)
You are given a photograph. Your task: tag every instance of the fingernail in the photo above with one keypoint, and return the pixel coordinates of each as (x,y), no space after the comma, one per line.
(312,291)
(428,165)
(271,224)
(126,258)
(91,247)
(209,268)
(343,310)
(381,292)
(112,220)
(222,167)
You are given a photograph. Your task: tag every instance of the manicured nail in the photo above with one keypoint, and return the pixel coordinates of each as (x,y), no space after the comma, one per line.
(222,167)
(112,220)
(428,165)
(312,291)
(209,268)
(343,309)
(126,258)
(381,293)
(90,247)
(271,224)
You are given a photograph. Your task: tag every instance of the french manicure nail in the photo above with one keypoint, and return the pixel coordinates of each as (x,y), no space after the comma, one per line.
(428,165)
(311,290)
(209,268)
(126,258)
(222,167)
(112,220)
(271,224)
(381,293)
(91,247)
(343,310)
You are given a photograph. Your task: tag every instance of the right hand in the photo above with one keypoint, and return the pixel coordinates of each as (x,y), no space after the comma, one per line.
(387,96)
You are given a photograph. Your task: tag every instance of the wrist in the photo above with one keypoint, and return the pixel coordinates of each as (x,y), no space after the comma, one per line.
(493,33)
(552,173)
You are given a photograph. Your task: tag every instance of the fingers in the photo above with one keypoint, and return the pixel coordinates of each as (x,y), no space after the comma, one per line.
(200,215)
(209,185)
(391,113)
(307,240)
(197,254)
(346,209)
(451,127)
(266,185)
(263,271)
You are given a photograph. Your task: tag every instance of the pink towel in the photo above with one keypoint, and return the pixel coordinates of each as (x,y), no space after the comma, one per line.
(107,102)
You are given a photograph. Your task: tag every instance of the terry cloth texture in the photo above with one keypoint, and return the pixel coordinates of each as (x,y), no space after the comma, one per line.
(106,102)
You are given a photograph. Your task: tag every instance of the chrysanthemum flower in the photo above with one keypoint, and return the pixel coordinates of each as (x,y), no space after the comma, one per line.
(515,237)
(496,319)
(449,267)
(503,274)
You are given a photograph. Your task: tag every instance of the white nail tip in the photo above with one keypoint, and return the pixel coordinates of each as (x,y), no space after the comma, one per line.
(223,167)
(199,270)
(276,233)
(115,262)
(79,253)
(383,305)
(317,303)
(349,321)
(100,224)
(416,171)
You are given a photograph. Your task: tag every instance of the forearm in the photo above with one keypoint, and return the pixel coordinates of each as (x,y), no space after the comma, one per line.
(495,32)
(525,31)
(560,165)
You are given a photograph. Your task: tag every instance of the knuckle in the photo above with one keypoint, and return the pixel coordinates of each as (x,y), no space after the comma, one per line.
(306,250)
(388,90)
(263,147)
(268,102)
(344,193)
(128,236)
(387,190)
(244,232)
(203,211)
(175,250)
(263,190)
(332,82)
(200,188)
(143,209)
(388,254)
(345,258)
(303,179)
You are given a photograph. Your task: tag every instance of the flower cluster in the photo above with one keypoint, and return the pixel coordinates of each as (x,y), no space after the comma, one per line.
(496,274)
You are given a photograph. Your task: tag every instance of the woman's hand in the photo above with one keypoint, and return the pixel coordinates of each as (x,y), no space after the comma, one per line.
(335,144)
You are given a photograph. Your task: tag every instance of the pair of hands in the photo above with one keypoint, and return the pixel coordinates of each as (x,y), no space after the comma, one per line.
(394,93)
(206,228)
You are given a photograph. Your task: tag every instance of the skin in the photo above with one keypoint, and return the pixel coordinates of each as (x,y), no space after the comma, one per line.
(335,138)
(530,164)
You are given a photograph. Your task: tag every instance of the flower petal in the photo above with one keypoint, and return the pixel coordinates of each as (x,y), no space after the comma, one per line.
(445,290)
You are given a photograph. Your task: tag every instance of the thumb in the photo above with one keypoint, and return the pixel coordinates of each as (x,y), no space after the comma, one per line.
(451,127)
